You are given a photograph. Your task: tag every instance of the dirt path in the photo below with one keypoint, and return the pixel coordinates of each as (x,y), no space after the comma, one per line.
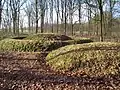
(33,74)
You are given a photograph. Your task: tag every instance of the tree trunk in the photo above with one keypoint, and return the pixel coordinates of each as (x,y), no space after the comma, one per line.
(65,17)
(0,12)
(57,22)
(58,15)
(42,22)
(101,20)
(79,11)
(36,1)
(18,21)
(29,22)
(14,26)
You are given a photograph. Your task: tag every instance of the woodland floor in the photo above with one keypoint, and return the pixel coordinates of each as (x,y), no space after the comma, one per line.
(22,72)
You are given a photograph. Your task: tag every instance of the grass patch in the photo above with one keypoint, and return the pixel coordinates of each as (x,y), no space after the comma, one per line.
(98,58)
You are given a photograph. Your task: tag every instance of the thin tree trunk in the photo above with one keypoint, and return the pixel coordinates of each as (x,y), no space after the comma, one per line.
(79,10)
(52,14)
(65,17)
(0,12)
(18,23)
(36,15)
(57,22)
(101,20)
(62,19)
(29,22)
(14,26)
(42,22)
(57,15)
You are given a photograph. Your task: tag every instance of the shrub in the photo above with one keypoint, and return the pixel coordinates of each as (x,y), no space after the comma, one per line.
(98,58)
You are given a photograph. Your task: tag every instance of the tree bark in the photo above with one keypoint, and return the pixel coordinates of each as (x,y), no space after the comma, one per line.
(101,20)
(36,10)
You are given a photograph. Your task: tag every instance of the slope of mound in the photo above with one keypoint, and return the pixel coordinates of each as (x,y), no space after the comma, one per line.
(38,42)
(46,36)
(99,58)
(57,40)
(26,45)
(19,45)
(22,45)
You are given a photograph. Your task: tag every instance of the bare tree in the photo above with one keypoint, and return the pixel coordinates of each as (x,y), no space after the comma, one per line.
(57,9)
(72,8)
(22,23)
(15,6)
(111,7)
(99,5)
(51,3)
(79,11)
(28,11)
(65,31)
(6,17)
(43,7)
(2,2)
(62,11)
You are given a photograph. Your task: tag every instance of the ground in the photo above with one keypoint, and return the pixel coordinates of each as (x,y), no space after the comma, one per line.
(31,73)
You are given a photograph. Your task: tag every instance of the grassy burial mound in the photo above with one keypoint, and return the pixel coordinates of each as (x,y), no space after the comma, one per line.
(23,45)
(94,59)
(38,42)
(18,45)
(56,37)
(52,41)
(47,36)
(29,45)
(57,40)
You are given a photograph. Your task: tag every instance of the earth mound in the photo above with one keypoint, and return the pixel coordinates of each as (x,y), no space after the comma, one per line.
(94,59)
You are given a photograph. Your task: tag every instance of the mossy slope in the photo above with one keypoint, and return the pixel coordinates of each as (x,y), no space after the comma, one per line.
(99,58)
(38,42)
(24,45)
(46,36)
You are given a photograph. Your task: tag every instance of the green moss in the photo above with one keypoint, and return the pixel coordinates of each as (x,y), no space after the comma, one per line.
(93,58)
